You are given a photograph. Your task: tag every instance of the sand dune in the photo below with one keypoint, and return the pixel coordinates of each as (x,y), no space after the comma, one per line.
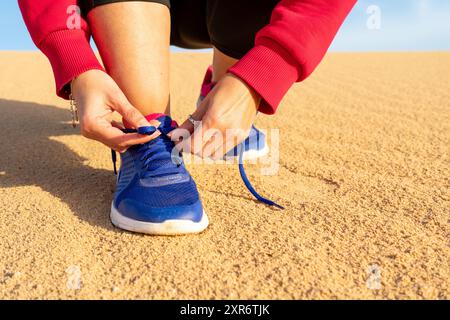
(364,175)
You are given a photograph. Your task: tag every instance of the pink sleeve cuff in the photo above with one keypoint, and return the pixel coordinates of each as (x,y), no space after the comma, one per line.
(70,54)
(270,71)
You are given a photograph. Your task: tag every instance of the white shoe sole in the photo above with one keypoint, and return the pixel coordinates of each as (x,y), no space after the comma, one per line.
(252,154)
(166,228)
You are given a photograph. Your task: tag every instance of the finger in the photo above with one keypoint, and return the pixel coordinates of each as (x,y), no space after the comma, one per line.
(117,124)
(130,139)
(230,142)
(213,142)
(194,144)
(203,143)
(185,143)
(116,138)
(188,125)
(130,114)
(154,123)
(197,115)
(185,126)
(178,137)
(219,152)
(217,155)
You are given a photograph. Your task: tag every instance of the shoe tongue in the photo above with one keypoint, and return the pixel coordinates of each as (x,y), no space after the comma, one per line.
(162,161)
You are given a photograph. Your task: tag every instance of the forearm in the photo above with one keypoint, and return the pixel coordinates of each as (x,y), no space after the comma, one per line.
(62,35)
(291,46)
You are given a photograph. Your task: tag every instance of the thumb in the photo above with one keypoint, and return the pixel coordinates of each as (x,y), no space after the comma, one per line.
(130,114)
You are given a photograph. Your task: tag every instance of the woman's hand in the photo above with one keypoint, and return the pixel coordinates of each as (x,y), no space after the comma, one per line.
(226,116)
(97,96)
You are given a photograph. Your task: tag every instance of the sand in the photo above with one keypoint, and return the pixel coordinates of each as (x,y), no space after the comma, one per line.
(364,174)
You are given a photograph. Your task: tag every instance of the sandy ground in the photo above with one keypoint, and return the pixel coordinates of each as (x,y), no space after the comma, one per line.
(364,173)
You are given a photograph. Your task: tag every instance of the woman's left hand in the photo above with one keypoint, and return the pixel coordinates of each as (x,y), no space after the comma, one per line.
(226,116)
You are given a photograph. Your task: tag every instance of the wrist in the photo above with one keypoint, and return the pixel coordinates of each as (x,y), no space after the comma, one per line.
(253,95)
(78,81)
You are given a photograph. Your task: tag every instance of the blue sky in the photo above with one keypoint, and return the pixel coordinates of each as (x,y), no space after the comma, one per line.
(404,25)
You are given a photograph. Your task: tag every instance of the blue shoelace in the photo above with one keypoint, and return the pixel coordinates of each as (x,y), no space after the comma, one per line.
(148,155)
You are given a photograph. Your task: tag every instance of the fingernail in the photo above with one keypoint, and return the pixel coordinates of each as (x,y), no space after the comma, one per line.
(155,123)
(156,134)
(143,123)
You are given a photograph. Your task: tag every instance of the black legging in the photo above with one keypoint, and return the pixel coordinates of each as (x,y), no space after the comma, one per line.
(228,25)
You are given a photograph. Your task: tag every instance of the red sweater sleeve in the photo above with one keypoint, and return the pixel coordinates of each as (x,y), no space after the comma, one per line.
(55,31)
(290,47)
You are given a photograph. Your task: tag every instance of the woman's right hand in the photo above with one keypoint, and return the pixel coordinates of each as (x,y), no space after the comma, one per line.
(97,95)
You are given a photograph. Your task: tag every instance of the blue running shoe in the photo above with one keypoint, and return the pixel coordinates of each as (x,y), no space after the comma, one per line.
(254,146)
(155,193)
